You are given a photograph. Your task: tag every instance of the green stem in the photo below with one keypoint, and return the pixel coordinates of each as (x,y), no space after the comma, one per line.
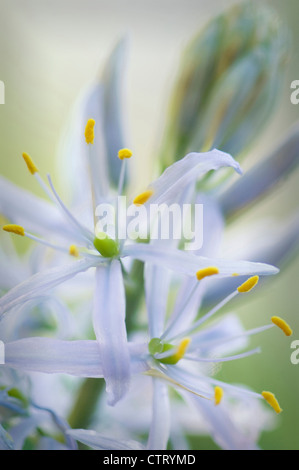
(86,402)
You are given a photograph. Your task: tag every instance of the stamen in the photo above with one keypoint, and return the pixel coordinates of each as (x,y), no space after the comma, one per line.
(224,359)
(143,197)
(282,325)
(89,131)
(124,153)
(218,394)
(73,251)
(13,228)
(270,398)
(207,315)
(85,233)
(248,285)
(178,355)
(210,271)
(29,162)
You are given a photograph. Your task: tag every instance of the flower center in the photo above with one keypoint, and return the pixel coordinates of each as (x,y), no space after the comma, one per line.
(106,246)
(161,351)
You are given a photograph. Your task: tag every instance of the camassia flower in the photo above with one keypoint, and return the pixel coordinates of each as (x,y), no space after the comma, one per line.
(170,359)
(105,254)
(180,354)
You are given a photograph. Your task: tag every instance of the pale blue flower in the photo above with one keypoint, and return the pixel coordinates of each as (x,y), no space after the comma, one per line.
(109,300)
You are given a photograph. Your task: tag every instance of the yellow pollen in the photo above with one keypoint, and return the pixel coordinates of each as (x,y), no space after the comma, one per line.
(29,162)
(143,197)
(12,228)
(249,284)
(235,274)
(210,271)
(73,251)
(218,394)
(270,398)
(89,131)
(182,348)
(124,153)
(282,325)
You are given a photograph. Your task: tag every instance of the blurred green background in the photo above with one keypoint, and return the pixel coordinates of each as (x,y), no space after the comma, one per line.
(51,50)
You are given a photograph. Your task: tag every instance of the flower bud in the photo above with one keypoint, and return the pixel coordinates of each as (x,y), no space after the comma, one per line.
(228,84)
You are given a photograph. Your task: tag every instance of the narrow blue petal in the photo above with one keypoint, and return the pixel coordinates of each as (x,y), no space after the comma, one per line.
(42,282)
(264,176)
(99,442)
(160,424)
(110,329)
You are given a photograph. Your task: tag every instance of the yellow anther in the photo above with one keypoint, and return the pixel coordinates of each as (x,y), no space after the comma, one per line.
(29,162)
(218,394)
(89,131)
(12,228)
(270,398)
(143,197)
(124,153)
(73,251)
(282,325)
(249,284)
(182,348)
(179,354)
(205,272)
(235,274)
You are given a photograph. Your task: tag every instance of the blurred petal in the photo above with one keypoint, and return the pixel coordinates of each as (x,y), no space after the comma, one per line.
(184,313)
(6,443)
(218,339)
(157,280)
(277,245)
(112,81)
(160,424)
(223,430)
(264,176)
(97,162)
(99,442)
(33,213)
(110,329)
(41,283)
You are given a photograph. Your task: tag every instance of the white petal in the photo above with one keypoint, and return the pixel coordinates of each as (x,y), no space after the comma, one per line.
(41,283)
(110,329)
(186,263)
(157,280)
(79,358)
(33,213)
(223,430)
(187,170)
(160,424)
(100,442)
